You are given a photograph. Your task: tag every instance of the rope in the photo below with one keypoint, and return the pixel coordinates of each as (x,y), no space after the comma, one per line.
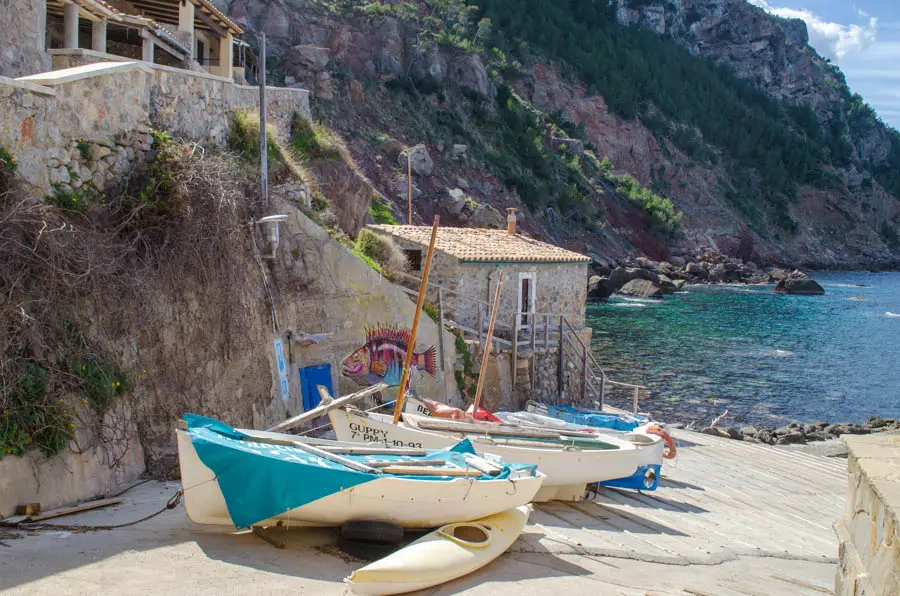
(172,503)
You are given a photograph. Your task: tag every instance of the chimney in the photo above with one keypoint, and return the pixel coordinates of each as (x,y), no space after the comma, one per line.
(511,221)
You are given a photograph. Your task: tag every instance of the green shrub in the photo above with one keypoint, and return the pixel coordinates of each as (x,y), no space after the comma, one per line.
(31,417)
(662,214)
(380,253)
(78,200)
(889,235)
(314,140)
(431,310)
(8,163)
(381,212)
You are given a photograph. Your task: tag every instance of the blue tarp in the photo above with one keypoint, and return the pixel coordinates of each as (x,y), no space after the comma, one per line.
(260,480)
(594,418)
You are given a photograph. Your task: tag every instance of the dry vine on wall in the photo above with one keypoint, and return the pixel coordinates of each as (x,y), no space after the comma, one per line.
(115,305)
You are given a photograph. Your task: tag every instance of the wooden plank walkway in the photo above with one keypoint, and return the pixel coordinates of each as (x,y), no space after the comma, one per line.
(722,501)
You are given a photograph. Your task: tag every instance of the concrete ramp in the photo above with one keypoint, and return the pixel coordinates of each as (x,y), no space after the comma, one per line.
(764,510)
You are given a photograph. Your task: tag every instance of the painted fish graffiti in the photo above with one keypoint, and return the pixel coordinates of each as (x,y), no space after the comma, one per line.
(380,359)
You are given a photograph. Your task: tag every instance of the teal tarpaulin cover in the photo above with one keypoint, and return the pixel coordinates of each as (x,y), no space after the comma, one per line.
(260,480)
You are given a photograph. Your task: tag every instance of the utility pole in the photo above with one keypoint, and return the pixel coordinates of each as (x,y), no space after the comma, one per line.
(263,140)
(409,187)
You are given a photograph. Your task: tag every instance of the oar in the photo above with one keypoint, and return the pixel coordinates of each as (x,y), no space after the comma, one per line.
(325,407)
(423,289)
(487,345)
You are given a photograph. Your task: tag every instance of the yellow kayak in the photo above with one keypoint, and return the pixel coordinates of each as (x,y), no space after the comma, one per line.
(445,554)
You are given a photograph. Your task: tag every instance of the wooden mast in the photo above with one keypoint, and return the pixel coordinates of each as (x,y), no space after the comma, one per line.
(487,345)
(423,289)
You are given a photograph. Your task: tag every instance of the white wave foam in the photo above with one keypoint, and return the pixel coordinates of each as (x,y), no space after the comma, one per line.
(633,299)
(631,305)
(891,314)
(861,286)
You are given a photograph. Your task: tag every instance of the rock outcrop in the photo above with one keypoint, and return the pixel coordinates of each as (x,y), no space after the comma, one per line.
(801,286)
(641,288)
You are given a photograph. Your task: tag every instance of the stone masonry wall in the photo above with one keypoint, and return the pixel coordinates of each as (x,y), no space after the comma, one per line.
(559,288)
(22,25)
(869,534)
(114,108)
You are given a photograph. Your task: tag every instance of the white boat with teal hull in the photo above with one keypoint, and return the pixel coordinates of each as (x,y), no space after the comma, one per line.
(242,478)
(569,460)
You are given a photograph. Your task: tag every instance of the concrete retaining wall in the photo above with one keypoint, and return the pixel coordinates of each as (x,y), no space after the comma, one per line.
(869,534)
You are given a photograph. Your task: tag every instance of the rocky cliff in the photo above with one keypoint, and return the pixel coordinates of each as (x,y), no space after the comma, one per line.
(390,76)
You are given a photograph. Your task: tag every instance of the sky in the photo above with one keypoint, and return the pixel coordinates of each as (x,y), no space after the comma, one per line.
(862,37)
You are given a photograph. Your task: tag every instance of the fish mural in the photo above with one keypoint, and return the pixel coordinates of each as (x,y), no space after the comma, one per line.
(380,359)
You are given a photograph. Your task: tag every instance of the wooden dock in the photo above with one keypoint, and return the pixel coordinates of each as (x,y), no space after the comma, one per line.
(766,511)
(730,518)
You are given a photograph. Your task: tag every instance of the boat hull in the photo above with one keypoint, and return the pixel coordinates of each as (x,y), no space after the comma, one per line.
(567,471)
(411,503)
(441,556)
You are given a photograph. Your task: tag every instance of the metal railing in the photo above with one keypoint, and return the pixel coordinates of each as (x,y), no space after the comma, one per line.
(556,333)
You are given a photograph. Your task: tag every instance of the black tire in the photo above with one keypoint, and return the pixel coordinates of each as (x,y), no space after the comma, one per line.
(367,551)
(372,532)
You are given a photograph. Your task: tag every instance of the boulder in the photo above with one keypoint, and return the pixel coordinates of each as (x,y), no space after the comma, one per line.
(734,433)
(458,150)
(696,270)
(718,273)
(677,261)
(799,286)
(667,285)
(641,288)
(571,146)
(619,277)
(749,431)
(792,438)
(777,274)
(679,284)
(468,72)
(421,161)
(600,288)
(455,201)
(716,432)
(640,273)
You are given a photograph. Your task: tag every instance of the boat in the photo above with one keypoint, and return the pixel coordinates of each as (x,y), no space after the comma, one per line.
(243,478)
(570,460)
(612,419)
(445,554)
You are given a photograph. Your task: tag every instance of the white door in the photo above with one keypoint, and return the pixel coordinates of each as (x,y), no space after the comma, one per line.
(525,299)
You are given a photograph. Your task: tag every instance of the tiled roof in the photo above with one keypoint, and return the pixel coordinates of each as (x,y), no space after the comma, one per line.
(484,246)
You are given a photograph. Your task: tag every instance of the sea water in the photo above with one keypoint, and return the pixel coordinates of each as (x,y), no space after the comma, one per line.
(765,358)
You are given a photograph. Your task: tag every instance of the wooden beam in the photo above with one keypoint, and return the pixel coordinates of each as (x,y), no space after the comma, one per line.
(325,407)
(76,509)
(207,19)
(162,43)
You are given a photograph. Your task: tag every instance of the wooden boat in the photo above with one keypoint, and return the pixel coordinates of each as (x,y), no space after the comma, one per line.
(570,460)
(235,477)
(449,552)
(608,418)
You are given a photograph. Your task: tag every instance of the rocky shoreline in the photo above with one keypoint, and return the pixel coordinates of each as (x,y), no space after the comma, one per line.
(797,433)
(646,278)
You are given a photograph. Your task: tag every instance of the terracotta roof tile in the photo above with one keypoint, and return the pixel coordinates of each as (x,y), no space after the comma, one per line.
(484,246)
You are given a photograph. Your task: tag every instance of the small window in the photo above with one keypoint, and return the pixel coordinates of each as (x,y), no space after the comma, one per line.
(414,258)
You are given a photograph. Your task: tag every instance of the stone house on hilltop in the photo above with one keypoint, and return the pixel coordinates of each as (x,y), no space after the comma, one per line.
(538,278)
(192,34)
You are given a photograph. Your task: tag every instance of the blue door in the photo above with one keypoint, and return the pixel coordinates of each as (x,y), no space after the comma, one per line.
(310,378)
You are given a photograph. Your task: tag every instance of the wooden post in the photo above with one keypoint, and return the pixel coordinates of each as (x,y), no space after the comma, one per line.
(584,374)
(515,348)
(533,347)
(486,352)
(480,325)
(560,376)
(602,391)
(409,186)
(547,333)
(263,139)
(440,306)
(423,289)
(637,393)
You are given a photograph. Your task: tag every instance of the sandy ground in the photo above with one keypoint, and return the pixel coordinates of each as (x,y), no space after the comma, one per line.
(683,539)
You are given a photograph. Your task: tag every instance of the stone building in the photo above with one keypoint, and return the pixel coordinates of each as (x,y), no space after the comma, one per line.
(190,34)
(538,278)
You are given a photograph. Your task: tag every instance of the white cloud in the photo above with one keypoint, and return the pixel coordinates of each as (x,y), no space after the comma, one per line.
(833,40)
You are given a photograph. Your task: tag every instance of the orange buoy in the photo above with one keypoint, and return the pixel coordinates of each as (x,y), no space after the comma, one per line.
(659,431)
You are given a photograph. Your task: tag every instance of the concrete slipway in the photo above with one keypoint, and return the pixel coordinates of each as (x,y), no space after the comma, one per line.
(729,518)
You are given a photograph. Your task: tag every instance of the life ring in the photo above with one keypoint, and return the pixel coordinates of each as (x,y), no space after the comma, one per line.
(670,451)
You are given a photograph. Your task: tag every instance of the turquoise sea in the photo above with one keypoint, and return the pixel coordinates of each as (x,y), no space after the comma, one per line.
(764,357)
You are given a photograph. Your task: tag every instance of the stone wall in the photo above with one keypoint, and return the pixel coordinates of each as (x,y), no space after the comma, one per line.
(22,28)
(869,534)
(560,288)
(112,105)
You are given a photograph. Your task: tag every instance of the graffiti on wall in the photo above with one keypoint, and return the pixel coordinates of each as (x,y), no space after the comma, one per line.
(380,358)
